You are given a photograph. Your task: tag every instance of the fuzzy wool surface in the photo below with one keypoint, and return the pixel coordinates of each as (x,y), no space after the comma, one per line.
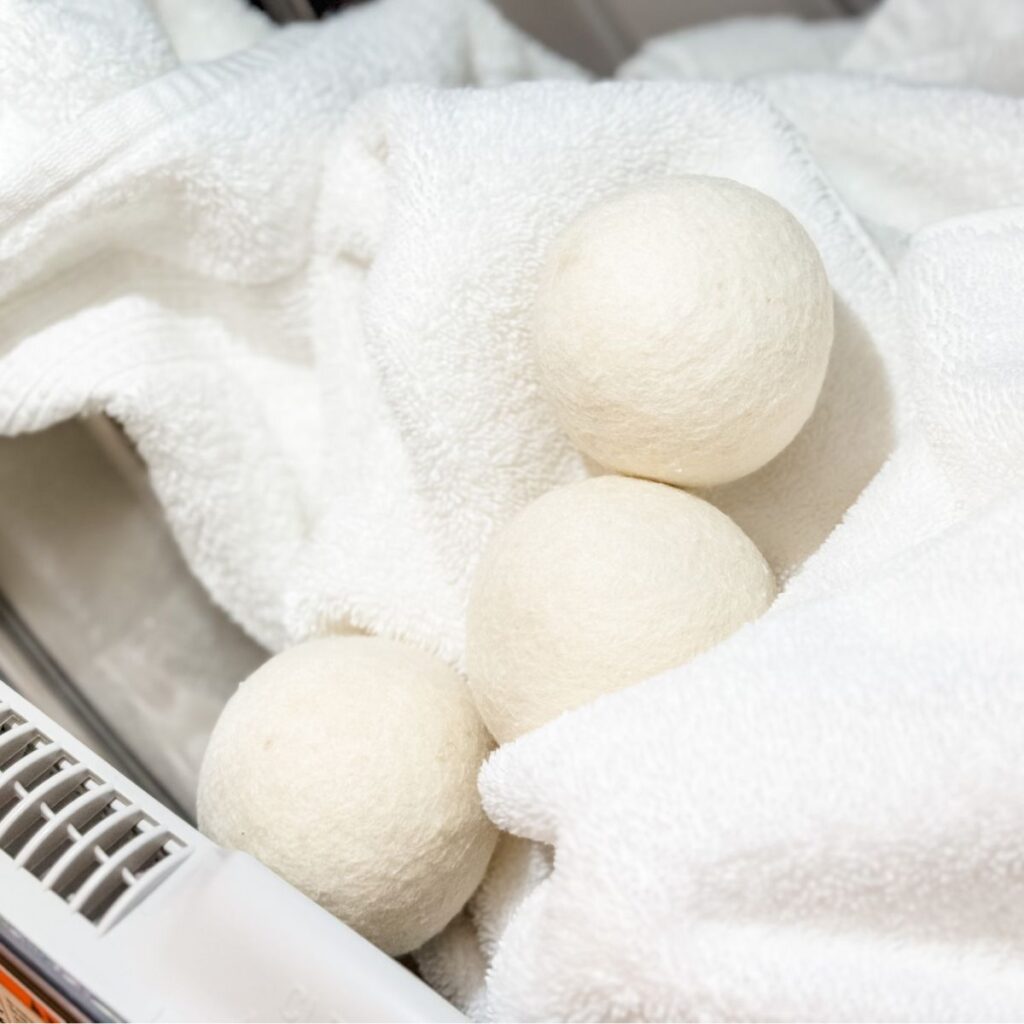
(600,584)
(683,330)
(348,765)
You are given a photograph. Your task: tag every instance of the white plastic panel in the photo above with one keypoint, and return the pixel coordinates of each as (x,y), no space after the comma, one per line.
(61,822)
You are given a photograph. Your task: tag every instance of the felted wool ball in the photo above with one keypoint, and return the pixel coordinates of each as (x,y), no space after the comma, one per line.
(683,330)
(348,765)
(600,584)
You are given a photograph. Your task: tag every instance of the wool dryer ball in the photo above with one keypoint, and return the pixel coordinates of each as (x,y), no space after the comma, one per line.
(683,330)
(600,584)
(348,765)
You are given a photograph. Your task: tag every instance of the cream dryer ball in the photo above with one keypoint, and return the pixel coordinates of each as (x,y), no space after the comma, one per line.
(348,765)
(597,585)
(683,330)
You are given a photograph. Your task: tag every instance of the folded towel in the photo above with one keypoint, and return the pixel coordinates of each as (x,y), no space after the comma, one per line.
(310,309)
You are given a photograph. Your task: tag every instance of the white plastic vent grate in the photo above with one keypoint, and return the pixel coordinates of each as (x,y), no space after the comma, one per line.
(73,831)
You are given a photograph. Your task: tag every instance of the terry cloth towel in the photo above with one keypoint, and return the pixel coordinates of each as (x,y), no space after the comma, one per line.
(170,254)
(310,310)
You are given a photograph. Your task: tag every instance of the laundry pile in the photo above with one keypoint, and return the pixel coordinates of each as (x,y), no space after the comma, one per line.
(298,266)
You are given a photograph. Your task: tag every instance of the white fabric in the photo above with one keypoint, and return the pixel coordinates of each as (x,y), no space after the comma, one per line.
(213,28)
(820,819)
(977,43)
(170,253)
(740,47)
(310,311)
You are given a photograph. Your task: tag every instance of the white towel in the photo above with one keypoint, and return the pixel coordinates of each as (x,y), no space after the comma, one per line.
(737,48)
(310,310)
(215,28)
(820,819)
(170,254)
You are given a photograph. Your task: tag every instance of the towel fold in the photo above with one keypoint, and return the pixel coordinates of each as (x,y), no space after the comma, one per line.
(820,819)
(468,190)
(169,255)
(301,276)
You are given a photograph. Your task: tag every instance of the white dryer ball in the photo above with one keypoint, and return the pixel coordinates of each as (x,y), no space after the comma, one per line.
(348,765)
(600,584)
(683,330)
